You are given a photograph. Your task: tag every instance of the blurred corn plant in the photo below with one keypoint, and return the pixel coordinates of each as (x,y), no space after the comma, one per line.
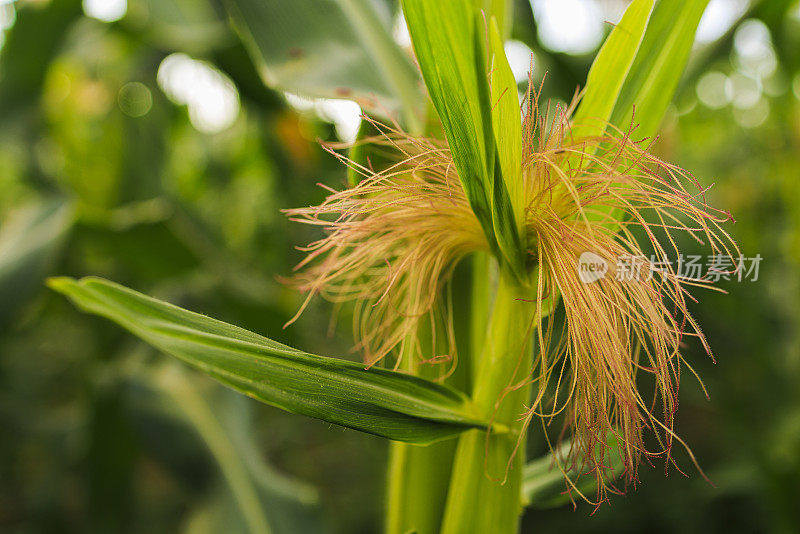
(460,371)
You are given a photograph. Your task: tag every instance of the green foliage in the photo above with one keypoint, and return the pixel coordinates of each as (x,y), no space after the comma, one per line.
(381,402)
(506,121)
(194,26)
(258,499)
(29,51)
(450,47)
(331,49)
(659,65)
(610,70)
(28,247)
(635,74)
(193,218)
(543,484)
(450,53)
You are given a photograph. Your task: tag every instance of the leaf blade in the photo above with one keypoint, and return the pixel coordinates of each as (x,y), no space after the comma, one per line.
(659,64)
(506,120)
(610,69)
(508,196)
(377,401)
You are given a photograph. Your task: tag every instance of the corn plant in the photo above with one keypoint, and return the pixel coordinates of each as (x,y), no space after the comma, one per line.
(515,193)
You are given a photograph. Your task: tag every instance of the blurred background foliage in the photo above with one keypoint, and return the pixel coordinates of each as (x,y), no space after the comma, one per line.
(138,143)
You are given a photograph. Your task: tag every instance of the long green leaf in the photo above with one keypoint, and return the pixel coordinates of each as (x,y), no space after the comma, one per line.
(659,64)
(331,49)
(378,401)
(508,196)
(610,70)
(634,77)
(506,119)
(639,67)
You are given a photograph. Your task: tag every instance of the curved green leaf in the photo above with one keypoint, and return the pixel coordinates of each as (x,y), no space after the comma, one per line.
(610,70)
(506,120)
(378,401)
(659,65)
(452,60)
(639,67)
(634,76)
(508,196)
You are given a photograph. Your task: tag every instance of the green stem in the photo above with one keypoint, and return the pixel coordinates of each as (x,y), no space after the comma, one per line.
(418,482)
(484,493)
(480,306)
(419,476)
